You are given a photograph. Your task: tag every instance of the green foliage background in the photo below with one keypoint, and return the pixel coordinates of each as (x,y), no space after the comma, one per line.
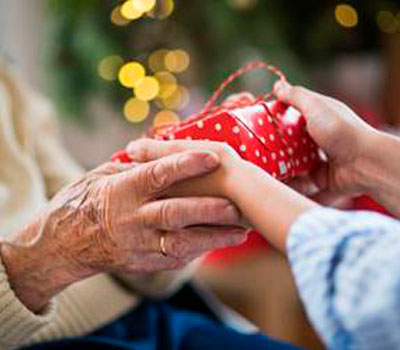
(293,35)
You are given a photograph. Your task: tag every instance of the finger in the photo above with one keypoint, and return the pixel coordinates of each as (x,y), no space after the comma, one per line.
(158,175)
(195,241)
(145,150)
(110,168)
(308,102)
(176,213)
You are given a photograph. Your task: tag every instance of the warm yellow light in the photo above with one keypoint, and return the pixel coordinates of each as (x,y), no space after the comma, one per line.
(136,110)
(144,5)
(131,73)
(147,89)
(346,15)
(184,97)
(177,101)
(168,83)
(156,60)
(242,4)
(165,117)
(117,18)
(129,10)
(387,22)
(177,61)
(162,10)
(108,67)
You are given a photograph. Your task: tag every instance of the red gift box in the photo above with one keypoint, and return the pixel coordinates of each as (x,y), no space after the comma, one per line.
(267,133)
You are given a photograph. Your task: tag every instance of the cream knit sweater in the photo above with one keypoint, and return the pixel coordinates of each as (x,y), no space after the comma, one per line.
(33,167)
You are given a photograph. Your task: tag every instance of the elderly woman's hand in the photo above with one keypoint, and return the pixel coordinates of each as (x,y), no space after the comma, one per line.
(118,221)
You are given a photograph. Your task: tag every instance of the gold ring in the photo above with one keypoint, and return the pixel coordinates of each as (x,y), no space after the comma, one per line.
(163,250)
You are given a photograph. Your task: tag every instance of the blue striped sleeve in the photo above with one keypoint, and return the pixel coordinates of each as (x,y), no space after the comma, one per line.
(347,269)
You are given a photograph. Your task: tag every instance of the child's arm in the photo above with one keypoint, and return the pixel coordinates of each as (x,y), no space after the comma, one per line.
(270,206)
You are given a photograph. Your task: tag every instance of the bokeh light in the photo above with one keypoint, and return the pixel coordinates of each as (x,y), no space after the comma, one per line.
(143,5)
(177,101)
(130,11)
(165,117)
(346,15)
(136,110)
(147,89)
(131,73)
(242,4)
(109,66)
(168,83)
(387,22)
(177,61)
(162,10)
(117,18)
(156,60)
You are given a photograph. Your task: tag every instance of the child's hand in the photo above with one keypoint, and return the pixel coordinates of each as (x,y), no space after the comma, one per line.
(341,134)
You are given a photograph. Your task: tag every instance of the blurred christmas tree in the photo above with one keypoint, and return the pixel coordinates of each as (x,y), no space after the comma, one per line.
(112,47)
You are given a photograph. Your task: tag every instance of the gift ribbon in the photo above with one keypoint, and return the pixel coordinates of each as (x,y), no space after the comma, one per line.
(211,108)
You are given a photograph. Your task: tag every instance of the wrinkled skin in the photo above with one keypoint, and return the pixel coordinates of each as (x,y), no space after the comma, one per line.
(119,229)
(112,220)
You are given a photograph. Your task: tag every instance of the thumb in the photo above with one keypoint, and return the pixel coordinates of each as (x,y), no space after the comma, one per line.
(306,101)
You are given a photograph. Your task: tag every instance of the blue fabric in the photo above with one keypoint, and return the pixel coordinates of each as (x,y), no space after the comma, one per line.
(346,267)
(160,326)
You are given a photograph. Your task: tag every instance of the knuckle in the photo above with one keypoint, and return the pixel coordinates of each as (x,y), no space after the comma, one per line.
(165,214)
(157,175)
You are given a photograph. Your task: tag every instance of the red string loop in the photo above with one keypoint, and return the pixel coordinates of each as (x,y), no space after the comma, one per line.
(211,107)
(232,77)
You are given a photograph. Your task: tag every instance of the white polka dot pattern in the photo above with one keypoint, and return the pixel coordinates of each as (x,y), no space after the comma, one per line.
(263,134)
